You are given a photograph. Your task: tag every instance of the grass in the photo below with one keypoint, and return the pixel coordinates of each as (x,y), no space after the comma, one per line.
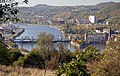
(20,71)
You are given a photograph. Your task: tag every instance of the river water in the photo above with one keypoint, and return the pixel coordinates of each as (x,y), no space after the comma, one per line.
(34,30)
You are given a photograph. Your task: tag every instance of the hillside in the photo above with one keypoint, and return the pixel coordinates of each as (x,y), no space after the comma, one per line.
(108,11)
(104,11)
(43,10)
(104,5)
(111,13)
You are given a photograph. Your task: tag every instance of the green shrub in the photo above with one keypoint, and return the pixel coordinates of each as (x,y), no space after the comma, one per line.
(32,59)
(109,63)
(20,61)
(14,54)
(12,44)
(77,66)
(4,55)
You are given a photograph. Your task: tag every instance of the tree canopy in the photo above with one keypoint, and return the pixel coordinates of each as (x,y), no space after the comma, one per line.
(7,10)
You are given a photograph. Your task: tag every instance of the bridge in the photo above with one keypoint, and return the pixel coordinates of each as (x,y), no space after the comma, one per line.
(33,40)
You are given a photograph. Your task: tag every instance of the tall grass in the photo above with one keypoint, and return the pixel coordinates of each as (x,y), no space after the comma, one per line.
(20,71)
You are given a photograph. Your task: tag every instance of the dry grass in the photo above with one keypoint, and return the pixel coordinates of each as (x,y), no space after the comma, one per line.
(20,71)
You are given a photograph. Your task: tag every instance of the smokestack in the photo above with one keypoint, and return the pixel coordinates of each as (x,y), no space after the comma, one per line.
(110,32)
(85,38)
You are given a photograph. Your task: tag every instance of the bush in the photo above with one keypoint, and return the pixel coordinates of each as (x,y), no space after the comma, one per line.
(14,54)
(32,59)
(4,55)
(109,63)
(77,66)
(20,61)
(13,45)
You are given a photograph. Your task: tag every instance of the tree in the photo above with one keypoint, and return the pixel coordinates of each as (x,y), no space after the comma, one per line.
(64,55)
(4,55)
(45,47)
(109,63)
(77,66)
(8,12)
(44,42)
(14,54)
(52,54)
(32,59)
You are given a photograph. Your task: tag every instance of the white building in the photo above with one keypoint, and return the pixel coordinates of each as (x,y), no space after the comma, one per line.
(107,23)
(92,19)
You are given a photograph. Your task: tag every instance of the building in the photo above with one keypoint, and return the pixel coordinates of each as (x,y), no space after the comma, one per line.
(109,31)
(58,22)
(6,1)
(107,22)
(98,31)
(2,1)
(92,19)
(82,21)
(96,38)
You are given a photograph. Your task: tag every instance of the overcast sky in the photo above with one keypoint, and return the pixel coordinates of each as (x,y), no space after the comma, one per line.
(67,2)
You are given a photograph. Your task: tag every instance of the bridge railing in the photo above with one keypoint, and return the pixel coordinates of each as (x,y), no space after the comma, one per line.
(32,38)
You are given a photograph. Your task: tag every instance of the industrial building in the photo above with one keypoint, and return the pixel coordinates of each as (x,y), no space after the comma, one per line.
(96,38)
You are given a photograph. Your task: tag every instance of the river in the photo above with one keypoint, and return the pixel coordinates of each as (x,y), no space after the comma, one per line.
(34,30)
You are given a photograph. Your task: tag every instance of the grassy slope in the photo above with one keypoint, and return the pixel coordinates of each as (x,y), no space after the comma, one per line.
(20,71)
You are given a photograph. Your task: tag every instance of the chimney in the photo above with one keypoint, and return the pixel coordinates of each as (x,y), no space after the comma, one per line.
(110,32)
(85,38)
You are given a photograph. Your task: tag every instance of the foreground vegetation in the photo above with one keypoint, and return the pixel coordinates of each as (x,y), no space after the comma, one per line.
(20,71)
(46,60)
(50,60)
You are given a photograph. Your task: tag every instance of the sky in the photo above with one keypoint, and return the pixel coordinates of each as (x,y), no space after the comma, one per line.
(67,2)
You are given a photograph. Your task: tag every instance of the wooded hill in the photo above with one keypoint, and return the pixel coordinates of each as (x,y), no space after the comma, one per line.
(104,11)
